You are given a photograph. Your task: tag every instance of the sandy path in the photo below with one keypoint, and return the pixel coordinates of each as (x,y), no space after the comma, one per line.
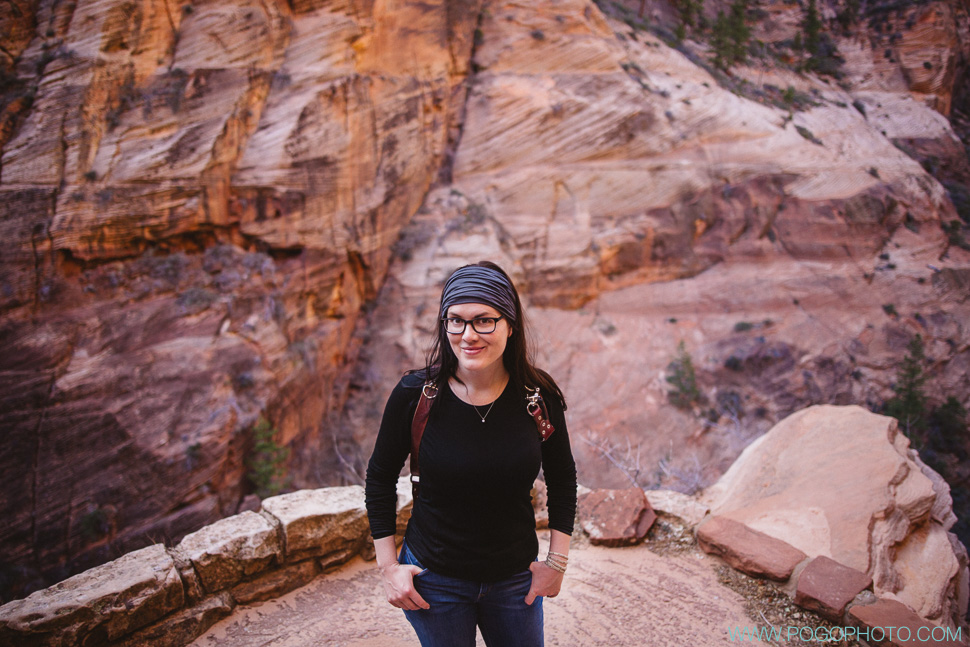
(612,596)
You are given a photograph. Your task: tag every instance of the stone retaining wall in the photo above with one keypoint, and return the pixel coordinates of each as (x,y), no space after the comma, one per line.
(166,597)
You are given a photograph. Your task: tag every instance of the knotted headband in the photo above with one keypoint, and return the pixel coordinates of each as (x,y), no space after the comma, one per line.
(477,284)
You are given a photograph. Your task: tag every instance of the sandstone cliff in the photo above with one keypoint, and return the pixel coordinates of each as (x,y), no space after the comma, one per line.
(197,200)
(201,200)
(606,168)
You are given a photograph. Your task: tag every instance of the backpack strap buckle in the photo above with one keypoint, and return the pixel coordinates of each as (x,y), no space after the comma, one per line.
(537,409)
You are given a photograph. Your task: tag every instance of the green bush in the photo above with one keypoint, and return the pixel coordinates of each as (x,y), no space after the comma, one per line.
(808,134)
(267,460)
(95,525)
(682,377)
(954,233)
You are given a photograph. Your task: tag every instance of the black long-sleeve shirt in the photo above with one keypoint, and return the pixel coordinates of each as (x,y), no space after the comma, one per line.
(473,518)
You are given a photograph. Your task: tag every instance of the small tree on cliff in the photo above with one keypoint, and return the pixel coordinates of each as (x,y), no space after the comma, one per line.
(908,406)
(849,14)
(730,35)
(812,26)
(682,377)
(267,461)
(690,14)
(823,55)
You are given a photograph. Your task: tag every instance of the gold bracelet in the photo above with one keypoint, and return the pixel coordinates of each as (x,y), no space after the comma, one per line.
(566,558)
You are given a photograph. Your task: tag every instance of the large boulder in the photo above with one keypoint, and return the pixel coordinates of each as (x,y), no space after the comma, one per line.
(100,604)
(843,482)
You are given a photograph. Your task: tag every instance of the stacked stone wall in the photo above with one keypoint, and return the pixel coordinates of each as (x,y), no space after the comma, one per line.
(166,597)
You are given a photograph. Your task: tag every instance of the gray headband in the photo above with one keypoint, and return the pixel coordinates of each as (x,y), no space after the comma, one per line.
(477,284)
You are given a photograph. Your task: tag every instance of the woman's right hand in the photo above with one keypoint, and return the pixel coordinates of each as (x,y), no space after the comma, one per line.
(399,586)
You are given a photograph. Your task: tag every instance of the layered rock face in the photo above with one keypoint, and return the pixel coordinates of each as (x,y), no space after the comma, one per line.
(638,204)
(200,200)
(195,205)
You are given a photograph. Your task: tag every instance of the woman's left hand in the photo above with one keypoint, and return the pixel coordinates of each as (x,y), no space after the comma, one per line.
(545,582)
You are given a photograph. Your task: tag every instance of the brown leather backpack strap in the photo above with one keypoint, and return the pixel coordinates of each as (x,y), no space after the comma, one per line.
(418,423)
(537,409)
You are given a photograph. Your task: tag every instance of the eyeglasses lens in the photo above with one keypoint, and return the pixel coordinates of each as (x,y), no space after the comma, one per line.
(482,325)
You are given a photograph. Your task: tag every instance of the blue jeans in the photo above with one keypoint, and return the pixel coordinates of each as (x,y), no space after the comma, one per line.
(458,606)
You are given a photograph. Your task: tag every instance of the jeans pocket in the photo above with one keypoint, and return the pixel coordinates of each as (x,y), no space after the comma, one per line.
(407,557)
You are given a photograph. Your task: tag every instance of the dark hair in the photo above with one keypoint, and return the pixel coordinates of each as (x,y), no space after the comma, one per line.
(518,357)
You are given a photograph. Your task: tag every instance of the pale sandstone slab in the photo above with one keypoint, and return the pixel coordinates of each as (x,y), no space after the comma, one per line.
(942,511)
(924,560)
(748,550)
(103,603)
(615,517)
(191,583)
(232,549)
(317,523)
(776,478)
(826,587)
(908,629)
(677,504)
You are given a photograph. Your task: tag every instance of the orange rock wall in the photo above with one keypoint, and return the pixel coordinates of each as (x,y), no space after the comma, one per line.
(196,200)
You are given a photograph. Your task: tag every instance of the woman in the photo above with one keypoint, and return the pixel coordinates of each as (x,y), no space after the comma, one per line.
(469,556)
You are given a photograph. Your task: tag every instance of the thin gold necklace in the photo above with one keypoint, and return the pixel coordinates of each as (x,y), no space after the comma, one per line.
(487,412)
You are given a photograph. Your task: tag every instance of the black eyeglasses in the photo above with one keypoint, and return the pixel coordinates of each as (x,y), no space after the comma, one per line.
(481,325)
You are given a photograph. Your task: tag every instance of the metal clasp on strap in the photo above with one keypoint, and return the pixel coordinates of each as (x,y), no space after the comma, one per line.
(432,387)
(534,400)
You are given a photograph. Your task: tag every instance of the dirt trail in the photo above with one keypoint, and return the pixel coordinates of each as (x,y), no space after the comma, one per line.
(612,596)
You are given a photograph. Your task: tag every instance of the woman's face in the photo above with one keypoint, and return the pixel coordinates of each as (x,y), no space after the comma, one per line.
(478,351)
